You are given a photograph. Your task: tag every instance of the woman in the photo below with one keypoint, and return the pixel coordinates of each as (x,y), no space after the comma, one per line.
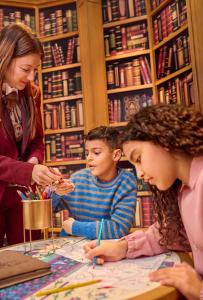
(21,134)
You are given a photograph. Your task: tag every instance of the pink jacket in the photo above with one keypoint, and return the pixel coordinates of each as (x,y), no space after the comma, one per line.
(191,209)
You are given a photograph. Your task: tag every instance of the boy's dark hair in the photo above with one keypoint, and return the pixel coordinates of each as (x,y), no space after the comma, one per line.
(110,135)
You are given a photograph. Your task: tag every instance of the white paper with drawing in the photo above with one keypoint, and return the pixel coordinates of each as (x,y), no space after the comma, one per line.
(120,280)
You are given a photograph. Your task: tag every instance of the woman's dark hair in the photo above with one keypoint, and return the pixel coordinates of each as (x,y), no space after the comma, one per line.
(179,130)
(17,40)
(110,135)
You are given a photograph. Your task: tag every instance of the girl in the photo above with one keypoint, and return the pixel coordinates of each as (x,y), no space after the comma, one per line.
(21,133)
(165,144)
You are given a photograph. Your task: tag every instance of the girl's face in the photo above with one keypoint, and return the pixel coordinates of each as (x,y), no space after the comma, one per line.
(22,70)
(153,163)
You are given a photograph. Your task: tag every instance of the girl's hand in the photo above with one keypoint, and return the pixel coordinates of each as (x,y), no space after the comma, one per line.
(64,187)
(43,176)
(107,251)
(183,277)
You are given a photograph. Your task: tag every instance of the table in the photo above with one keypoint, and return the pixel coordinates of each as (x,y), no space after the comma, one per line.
(127,279)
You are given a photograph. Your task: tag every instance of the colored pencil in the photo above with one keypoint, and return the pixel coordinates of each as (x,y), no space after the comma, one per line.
(99,239)
(68,287)
(22,195)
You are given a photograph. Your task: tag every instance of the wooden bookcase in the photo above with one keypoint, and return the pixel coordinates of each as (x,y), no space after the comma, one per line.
(59,34)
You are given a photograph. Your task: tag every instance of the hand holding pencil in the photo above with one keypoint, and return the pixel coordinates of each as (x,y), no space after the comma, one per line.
(106,251)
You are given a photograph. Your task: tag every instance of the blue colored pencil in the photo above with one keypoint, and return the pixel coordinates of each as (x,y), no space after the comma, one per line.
(22,195)
(99,239)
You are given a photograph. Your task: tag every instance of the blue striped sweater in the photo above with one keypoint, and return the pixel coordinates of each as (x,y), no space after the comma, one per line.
(93,200)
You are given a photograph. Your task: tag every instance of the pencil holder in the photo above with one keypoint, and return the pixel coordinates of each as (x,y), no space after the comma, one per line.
(37,214)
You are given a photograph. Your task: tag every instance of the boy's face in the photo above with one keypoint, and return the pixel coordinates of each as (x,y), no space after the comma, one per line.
(101,160)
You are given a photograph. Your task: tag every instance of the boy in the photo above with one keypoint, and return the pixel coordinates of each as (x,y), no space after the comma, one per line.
(101,191)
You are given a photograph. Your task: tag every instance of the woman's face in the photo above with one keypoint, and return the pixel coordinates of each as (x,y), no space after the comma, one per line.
(22,70)
(153,163)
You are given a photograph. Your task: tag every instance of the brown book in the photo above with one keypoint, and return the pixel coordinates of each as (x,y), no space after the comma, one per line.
(16,267)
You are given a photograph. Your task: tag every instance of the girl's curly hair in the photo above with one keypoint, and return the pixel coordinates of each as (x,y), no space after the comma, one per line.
(179,130)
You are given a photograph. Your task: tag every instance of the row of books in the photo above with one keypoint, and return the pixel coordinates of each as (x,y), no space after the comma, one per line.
(134,73)
(114,10)
(144,216)
(171,18)
(16,16)
(63,115)
(61,84)
(123,108)
(61,53)
(124,39)
(173,57)
(67,171)
(63,147)
(57,22)
(178,91)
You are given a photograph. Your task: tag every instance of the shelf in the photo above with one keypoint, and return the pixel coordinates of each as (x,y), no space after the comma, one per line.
(158,8)
(49,3)
(125,21)
(67,98)
(55,229)
(143,193)
(119,124)
(130,88)
(66,163)
(128,54)
(177,73)
(55,131)
(51,38)
(20,4)
(171,36)
(59,68)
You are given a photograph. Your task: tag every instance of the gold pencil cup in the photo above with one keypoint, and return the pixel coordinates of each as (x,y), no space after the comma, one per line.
(37,214)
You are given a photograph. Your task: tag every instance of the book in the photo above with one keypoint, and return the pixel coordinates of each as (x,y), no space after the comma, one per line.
(16,267)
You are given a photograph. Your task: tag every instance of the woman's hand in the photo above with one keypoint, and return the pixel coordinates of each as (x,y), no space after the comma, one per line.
(183,277)
(107,251)
(64,187)
(43,176)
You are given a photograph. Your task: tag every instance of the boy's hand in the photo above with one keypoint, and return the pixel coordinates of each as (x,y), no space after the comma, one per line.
(181,276)
(67,225)
(64,187)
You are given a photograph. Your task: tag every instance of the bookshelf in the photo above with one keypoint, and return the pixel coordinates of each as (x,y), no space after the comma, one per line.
(172,47)
(127,59)
(60,81)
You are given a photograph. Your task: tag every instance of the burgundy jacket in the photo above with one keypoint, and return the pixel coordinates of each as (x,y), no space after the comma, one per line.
(14,169)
